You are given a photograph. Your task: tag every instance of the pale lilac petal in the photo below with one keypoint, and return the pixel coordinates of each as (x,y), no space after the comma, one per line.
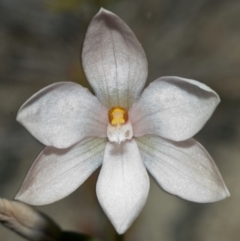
(62,114)
(58,172)
(114,61)
(173,108)
(123,184)
(28,222)
(183,168)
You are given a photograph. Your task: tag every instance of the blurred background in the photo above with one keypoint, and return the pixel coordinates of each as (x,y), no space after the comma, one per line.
(40,43)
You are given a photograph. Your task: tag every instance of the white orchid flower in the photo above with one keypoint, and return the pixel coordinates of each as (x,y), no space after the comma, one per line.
(124,128)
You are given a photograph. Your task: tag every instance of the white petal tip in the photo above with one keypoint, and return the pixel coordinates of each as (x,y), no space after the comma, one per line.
(19,117)
(121,229)
(18,197)
(224,193)
(103,10)
(210,197)
(121,226)
(227,193)
(105,13)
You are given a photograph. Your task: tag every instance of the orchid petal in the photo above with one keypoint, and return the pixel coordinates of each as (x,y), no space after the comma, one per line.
(58,172)
(173,108)
(62,114)
(183,168)
(114,61)
(123,184)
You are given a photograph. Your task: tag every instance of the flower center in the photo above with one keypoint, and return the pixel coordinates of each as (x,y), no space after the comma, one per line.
(117,115)
(119,127)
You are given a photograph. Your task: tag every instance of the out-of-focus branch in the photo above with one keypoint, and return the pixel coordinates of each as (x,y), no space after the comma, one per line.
(28,222)
(34,225)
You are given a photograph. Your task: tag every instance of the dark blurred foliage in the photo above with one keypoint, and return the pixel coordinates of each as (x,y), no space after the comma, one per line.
(70,236)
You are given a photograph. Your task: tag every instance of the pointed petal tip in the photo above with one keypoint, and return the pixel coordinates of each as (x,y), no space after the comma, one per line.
(222,194)
(227,193)
(103,10)
(19,116)
(121,229)
(18,197)
(220,197)
(121,226)
(105,14)
(214,197)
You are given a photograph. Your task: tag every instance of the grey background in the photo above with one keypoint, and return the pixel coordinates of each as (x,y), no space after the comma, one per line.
(40,43)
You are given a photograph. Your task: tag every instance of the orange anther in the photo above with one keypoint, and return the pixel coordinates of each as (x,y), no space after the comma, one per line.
(117,116)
